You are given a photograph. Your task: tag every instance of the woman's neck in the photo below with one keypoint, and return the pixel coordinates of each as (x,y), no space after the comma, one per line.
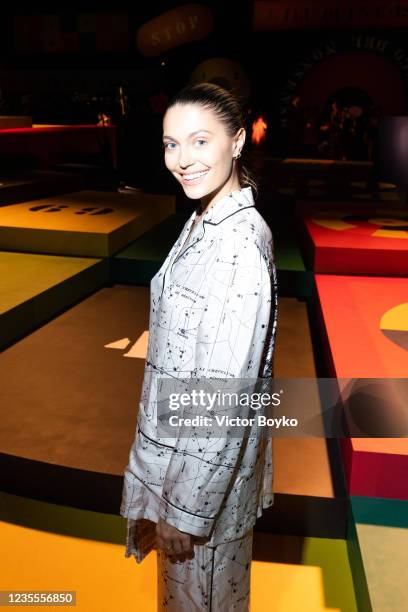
(209,200)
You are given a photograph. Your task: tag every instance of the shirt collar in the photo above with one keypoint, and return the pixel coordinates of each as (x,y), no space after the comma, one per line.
(228,205)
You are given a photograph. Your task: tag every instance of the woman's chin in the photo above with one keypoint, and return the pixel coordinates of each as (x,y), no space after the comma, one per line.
(195,191)
(193,194)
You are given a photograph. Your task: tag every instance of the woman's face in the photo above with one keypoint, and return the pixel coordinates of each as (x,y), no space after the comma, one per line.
(198,151)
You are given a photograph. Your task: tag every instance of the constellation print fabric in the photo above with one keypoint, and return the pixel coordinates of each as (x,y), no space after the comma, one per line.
(213,314)
(217,579)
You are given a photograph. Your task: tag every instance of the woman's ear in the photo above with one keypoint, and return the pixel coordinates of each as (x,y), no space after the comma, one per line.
(239,140)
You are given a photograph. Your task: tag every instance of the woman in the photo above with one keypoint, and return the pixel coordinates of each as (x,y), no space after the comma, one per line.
(213,314)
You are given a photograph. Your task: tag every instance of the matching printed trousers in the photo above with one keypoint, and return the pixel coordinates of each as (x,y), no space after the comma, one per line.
(216,580)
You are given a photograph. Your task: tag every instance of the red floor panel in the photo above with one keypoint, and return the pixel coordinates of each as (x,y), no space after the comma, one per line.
(354,238)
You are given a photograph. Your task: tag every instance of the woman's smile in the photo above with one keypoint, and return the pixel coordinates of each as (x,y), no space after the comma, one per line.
(193,178)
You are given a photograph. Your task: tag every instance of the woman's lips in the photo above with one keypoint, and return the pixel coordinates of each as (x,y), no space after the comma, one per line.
(195,181)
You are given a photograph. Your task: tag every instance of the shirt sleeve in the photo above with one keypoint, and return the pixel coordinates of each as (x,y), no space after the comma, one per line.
(230,340)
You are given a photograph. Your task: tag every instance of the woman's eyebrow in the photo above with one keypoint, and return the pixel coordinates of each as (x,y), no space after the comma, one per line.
(192,134)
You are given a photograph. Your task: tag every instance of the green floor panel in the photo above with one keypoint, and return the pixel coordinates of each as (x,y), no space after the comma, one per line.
(139,262)
(378,545)
(380,511)
(332,557)
(64,520)
(155,244)
(34,288)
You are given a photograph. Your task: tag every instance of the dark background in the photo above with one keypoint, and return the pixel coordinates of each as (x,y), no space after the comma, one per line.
(73,87)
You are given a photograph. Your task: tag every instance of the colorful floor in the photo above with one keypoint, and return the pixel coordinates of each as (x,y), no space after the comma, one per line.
(328,543)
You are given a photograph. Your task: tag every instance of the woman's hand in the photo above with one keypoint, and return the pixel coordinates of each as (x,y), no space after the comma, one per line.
(177,545)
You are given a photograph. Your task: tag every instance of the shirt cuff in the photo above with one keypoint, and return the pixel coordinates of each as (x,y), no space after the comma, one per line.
(185,521)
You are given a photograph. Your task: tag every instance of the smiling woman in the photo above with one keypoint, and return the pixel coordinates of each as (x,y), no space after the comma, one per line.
(203,145)
(213,314)
(198,161)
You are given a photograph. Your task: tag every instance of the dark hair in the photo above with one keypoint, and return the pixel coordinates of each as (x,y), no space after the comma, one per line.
(228,110)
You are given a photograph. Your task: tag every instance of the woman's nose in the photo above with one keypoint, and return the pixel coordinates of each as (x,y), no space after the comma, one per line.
(185,158)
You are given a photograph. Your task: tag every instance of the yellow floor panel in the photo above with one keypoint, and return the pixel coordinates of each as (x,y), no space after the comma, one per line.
(284,587)
(105,581)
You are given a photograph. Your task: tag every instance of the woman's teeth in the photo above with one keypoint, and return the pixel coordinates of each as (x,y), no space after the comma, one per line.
(191,177)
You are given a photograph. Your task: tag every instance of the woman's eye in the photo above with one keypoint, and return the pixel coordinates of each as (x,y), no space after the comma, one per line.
(167,146)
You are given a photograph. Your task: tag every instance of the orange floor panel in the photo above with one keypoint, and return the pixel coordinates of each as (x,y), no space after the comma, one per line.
(373,311)
(366,322)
